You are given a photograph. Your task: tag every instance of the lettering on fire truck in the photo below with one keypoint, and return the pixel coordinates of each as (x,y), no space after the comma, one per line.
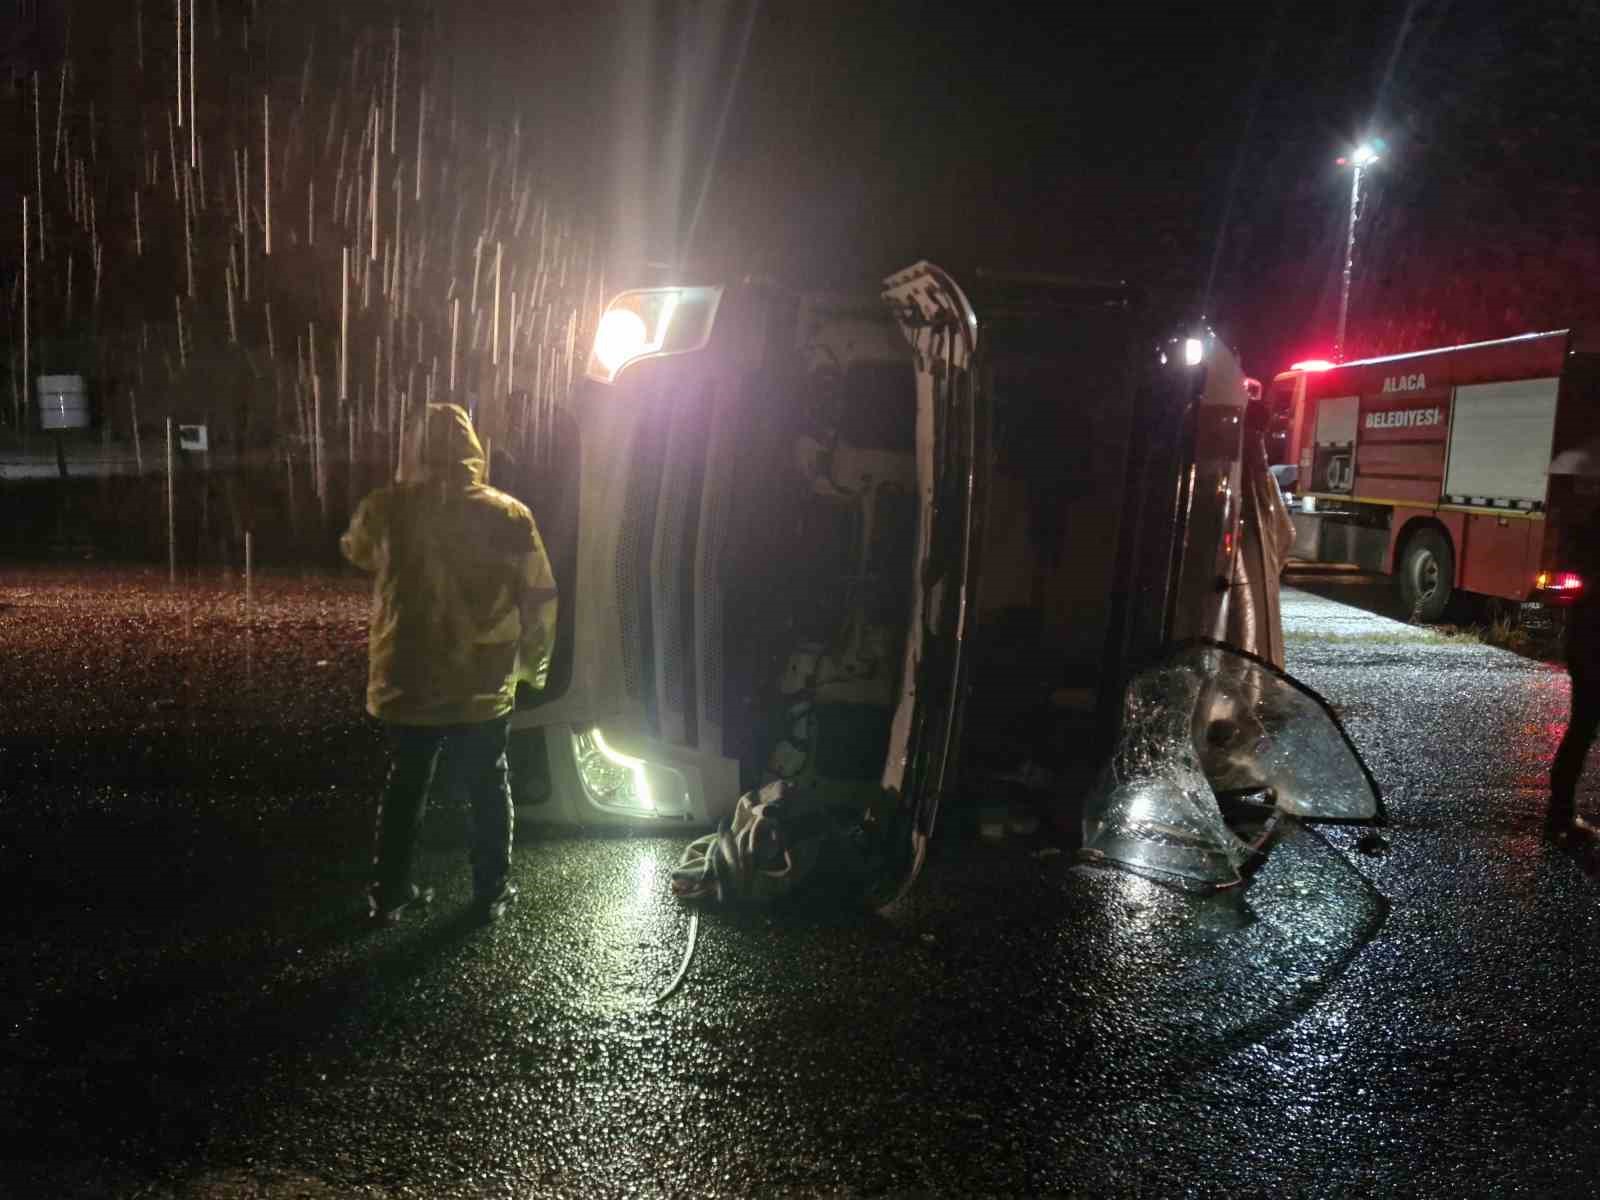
(1405,383)
(1405,418)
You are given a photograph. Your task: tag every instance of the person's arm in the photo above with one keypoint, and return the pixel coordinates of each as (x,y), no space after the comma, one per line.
(537,602)
(363,542)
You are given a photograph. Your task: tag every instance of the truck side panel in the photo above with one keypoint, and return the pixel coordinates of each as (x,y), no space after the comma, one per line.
(1496,554)
(1500,444)
(1408,470)
(1406,400)
(1400,447)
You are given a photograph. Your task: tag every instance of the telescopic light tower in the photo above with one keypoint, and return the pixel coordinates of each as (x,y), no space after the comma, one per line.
(1359,159)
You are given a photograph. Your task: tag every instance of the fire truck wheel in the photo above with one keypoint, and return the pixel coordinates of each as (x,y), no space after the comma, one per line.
(1427,571)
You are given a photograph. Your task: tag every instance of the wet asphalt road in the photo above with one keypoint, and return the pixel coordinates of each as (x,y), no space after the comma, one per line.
(189,1012)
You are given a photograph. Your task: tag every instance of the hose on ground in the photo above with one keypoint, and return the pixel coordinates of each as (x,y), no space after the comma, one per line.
(688,957)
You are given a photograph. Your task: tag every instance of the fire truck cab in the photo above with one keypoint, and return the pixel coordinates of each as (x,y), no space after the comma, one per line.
(1457,470)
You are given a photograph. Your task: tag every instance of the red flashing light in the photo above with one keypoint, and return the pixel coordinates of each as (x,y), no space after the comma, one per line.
(1312,364)
(1559,581)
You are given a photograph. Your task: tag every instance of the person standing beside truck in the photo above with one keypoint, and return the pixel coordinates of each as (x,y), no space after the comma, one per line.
(464,605)
(1562,823)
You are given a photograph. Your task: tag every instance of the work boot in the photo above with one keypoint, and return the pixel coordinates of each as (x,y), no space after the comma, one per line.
(380,912)
(489,906)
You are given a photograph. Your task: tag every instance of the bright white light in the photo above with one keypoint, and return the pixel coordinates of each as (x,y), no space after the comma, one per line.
(646,879)
(641,780)
(621,336)
(1193,351)
(1364,155)
(648,323)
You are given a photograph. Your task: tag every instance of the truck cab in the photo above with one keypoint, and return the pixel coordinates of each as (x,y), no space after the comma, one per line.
(881,547)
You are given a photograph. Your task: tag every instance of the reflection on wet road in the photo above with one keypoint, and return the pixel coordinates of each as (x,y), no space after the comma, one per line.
(190,1010)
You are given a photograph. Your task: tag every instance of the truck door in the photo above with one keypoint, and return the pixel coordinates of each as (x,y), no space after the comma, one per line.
(1053,452)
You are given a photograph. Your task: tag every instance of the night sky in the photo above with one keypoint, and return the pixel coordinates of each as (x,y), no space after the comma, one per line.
(1092,144)
(1187,148)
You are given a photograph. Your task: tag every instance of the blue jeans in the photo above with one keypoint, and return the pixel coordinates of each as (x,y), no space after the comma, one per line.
(476,756)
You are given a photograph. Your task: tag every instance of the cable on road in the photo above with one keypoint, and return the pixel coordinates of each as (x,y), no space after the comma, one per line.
(688,957)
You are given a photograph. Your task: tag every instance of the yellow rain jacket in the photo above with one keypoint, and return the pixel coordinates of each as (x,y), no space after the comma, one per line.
(464,603)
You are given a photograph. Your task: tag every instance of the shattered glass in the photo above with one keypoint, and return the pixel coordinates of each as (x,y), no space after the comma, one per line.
(1259,728)
(1210,721)
(1153,808)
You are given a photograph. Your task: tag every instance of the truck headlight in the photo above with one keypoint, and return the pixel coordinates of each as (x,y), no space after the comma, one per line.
(612,780)
(651,321)
(621,783)
(633,327)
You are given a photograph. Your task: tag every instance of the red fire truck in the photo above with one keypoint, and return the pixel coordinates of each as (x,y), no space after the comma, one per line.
(1458,469)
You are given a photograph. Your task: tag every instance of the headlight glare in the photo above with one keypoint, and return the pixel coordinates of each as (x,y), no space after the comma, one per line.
(650,322)
(623,784)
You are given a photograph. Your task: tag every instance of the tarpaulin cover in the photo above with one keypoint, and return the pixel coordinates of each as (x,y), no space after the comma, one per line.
(1210,720)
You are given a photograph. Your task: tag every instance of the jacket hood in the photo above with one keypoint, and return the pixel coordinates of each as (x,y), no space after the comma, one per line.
(445,449)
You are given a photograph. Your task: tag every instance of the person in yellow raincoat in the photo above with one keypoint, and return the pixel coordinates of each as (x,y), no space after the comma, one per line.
(463,606)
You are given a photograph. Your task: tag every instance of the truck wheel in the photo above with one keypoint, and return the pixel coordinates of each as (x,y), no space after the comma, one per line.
(1427,568)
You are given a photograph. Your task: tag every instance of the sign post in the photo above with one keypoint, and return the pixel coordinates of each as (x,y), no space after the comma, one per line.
(172,527)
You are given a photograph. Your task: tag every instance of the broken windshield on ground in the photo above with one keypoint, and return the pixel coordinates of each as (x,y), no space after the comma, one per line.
(1259,729)
(1211,721)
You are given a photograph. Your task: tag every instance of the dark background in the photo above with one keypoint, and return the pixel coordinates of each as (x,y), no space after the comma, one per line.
(1192,148)
(1186,147)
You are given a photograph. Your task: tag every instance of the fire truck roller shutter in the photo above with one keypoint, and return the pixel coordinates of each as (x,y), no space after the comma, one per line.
(1332,465)
(1501,441)
(1500,444)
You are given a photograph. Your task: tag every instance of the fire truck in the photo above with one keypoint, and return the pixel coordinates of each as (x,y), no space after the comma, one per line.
(1457,470)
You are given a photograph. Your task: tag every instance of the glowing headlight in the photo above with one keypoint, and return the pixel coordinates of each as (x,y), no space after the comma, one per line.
(623,784)
(653,321)
(622,335)
(1193,351)
(612,780)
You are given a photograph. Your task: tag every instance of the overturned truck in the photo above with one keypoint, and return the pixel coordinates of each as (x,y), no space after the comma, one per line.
(887,553)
